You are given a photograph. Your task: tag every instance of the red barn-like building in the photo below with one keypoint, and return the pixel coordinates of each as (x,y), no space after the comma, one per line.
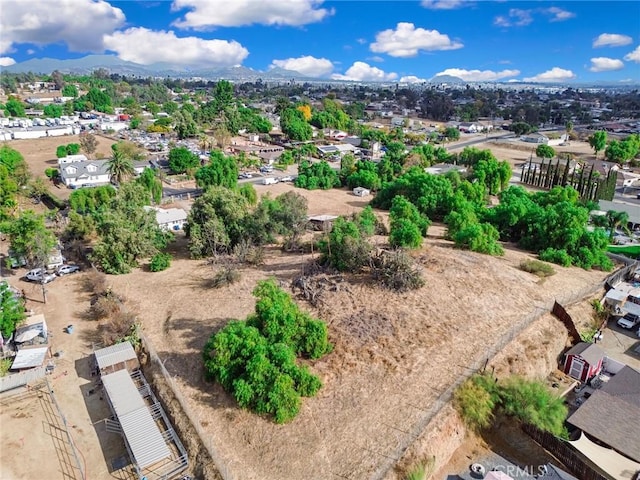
(583,361)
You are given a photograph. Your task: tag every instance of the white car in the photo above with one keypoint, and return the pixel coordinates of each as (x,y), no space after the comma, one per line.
(40,275)
(66,269)
(286,178)
(628,321)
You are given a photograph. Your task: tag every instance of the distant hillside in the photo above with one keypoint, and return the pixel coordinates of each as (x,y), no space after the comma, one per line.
(446,79)
(86,65)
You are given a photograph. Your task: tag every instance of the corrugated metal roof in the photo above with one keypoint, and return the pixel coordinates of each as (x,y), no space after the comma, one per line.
(29,358)
(140,430)
(118,353)
(20,379)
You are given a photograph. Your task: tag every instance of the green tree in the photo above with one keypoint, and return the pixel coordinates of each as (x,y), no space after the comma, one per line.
(29,238)
(119,166)
(216,222)
(70,90)
(99,99)
(545,151)
(345,248)
(127,232)
(293,125)
(452,134)
(53,111)
(14,108)
(318,175)
(479,237)
(150,181)
(182,160)
(405,233)
(222,170)
(12,311)
(598,141)
(521,128)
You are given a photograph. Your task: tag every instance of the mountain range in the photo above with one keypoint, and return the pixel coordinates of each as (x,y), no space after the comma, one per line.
(86,65)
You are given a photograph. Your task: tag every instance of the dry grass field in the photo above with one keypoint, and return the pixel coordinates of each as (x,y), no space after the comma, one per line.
(394,354)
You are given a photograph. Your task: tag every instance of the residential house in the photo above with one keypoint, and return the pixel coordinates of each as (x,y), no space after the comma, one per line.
(583,361)
(170,219)
(535,137)
(91,173)
(469,127)
(610,420)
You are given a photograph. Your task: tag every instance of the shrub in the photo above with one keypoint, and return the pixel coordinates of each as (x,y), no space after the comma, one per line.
(474,404)
(541,269)
(255,360)
(247,252)
(345,247)
(405,233)
(227,276)
(561,257)
(396,271)
(159,262)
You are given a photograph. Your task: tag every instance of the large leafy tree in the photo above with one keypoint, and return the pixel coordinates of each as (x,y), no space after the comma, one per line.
(11,311)
(598,141)
(181,160)
(293,125)
(408,225)
(29,237)
(320,175)
(222,170)
(151,182)
(545,151)
(127,231)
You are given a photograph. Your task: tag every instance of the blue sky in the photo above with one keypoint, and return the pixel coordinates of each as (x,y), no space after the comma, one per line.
(575,41)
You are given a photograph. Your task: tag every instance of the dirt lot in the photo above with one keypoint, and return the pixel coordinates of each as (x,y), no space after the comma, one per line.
(40,154)
(394,353)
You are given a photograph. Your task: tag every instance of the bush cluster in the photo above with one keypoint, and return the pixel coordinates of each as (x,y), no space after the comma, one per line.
(159,262)
(255,359)
(480,397)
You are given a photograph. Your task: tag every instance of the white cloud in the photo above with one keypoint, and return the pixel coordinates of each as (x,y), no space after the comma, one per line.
(310,66)
(604,64)
(361,41)
(556,74)
(376,58)
(6,61)
(141,45)
(558,14)
(611,40)
(516,18)
(364,72)
(443,4)
(234,13)
(31,51)
(407,40)
(633,56)
(479,75)
(80,24)
(411,79)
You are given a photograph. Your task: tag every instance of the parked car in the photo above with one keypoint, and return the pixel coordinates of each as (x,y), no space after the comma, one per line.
(245,175)
(286,178)
(628,321)
(67,269)
(40,275)
(269,181)
(266,169)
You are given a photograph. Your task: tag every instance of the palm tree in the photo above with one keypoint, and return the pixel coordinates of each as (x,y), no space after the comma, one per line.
(120,167)
(616,219)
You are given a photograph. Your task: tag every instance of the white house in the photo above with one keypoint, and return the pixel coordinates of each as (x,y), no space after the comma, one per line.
(535,138)
(91,173)
(169,218)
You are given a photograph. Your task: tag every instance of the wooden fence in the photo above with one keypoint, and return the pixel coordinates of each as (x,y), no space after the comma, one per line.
(564,452)
(561,314)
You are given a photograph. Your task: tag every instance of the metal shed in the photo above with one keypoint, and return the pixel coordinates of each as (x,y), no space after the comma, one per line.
(144,440)
(116,357)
